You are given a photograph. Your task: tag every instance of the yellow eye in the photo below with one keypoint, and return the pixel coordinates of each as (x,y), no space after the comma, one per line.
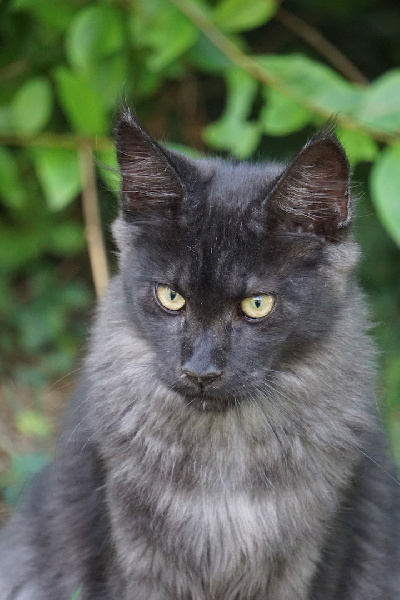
(257,306)
(168,298)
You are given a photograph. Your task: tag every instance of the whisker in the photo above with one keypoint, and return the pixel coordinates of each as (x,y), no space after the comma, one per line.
(54,385)
(375,463)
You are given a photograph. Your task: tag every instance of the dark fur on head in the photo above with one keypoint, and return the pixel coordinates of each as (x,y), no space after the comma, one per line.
(214,455)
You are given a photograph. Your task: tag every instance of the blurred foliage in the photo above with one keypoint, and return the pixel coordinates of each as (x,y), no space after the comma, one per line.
(252,79)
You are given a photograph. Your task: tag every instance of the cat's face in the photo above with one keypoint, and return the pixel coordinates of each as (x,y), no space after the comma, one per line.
(226,266)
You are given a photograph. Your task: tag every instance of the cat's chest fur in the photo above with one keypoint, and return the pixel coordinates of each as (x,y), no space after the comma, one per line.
(212,541)
(220,506)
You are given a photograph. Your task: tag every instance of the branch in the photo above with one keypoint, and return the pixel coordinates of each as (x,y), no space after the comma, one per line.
(315,39)
(57,140)
(94,234)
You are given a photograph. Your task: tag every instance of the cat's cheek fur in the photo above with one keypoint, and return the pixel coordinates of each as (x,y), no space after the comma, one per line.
(339,268)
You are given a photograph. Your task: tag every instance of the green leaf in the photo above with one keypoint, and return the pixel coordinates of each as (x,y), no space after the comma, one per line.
(6,118)
(313,84)
(109,170)
(76,296)
(82,105)
(95,32)
(107,78)
(58,172)
(239,138)
(385,186)
(183,149)
(381,108)
(233,132)
(66,238)
(41,325)
(359,147)
(159,25)
(19,247)
(22,467)
(32,106)
(32,423)
(12,190)
(239,15)
(57,15)
(208,57)
(282,115)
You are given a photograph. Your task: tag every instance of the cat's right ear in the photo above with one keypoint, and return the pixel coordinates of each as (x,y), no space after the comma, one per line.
(312,195)
(150,187)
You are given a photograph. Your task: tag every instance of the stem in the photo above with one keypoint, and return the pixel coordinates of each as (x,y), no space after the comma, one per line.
(315,39)
(91,213)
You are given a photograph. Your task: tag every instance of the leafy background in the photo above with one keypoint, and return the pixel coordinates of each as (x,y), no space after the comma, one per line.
(252,79)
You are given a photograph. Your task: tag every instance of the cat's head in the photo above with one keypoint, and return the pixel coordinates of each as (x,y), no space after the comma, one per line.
(231,270)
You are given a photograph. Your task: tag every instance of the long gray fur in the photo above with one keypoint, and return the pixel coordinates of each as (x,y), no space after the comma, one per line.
(285,492)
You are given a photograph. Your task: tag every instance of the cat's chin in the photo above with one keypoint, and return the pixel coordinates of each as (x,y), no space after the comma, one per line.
(210,403)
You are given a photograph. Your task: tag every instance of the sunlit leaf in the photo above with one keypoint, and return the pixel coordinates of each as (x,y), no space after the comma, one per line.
(312,83)
(95,32)
(160,26)
(380,108)
(32,106)
(108,79)
(359,147)
(239,138)
(31,422)
(82,105)
(282,115)
(58,172)
(239,15)
(107,166)
(233,132)
(385,186)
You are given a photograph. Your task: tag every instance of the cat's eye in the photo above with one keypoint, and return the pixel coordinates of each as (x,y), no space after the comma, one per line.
(169,298)
(257,307)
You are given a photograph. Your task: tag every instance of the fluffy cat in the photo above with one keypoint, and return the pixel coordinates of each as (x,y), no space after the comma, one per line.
(224,443)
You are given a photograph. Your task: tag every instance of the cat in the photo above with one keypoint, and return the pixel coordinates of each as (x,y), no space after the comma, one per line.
(224,443)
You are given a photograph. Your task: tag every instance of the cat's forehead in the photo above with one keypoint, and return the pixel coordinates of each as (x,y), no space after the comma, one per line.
(229,183)
(218,244)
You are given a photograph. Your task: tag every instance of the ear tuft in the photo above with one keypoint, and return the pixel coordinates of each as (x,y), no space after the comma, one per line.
(150,185)
(312,195)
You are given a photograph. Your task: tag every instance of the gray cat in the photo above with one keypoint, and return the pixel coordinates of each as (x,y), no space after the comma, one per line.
(224,443)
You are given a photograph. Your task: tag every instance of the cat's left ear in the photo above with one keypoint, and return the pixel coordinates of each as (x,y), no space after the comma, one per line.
(151,187)
(313,194)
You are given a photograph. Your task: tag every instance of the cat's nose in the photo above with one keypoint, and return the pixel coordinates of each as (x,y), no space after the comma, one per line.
(201,377)
(200,367)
